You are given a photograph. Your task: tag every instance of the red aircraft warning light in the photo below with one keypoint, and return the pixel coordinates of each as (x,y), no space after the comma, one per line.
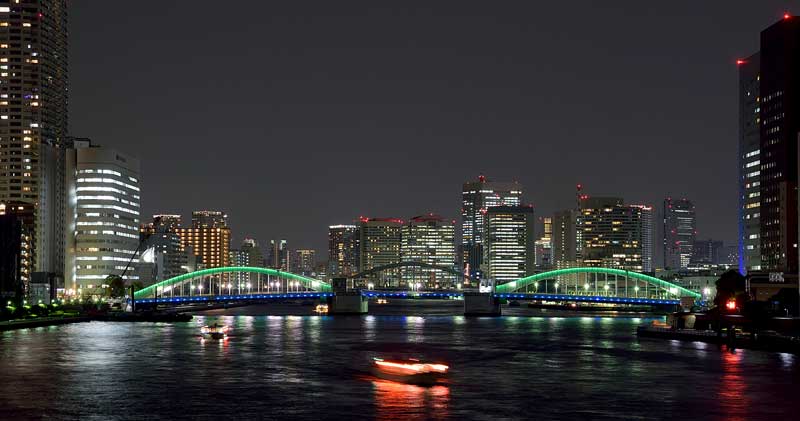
(731,305)
(740,62)
(787,16)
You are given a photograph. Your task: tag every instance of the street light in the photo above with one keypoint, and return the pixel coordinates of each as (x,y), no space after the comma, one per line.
(370,286)
(556,285)
(606,287)
(636,288)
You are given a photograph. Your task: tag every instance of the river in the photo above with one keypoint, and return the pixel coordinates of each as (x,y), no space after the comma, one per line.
(527,364)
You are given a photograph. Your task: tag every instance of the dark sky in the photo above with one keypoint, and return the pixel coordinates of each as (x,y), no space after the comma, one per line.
(294,115)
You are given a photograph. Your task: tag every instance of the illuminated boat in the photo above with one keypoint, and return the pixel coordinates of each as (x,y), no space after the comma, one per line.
(382,301)
(321,309)
(215,331)
(410,371)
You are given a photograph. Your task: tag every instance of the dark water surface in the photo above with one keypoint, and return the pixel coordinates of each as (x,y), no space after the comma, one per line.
(524,365)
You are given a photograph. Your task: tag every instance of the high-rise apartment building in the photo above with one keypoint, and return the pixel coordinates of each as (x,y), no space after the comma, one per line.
(680,233)
(33,121)
(103,218)
(476,198)
(344,250)
(380,240)
(544,244)
(509,240)
(772,78)
(209,238)
(17,224)
(614,235)
(779,105)
(565,241)
(255,256)
(429,239)
(303,261)
(749,165)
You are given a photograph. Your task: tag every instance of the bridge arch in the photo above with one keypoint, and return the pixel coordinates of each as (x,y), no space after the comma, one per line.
(660,283)
(307,282)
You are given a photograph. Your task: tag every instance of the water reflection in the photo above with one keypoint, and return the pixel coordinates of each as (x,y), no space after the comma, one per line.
(404,401)
(732,393)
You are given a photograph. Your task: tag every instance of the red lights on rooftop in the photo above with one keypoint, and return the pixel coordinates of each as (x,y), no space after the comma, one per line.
(787,16)
(740,62)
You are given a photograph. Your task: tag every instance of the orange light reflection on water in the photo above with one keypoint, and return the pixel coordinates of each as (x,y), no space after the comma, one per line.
(404,401)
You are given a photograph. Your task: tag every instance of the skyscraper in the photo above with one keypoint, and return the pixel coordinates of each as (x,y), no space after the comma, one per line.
(303,261)
(615,235)
(33,121)
(343,250)
(509,240)
(255,257)
(680,233)
(209,238)
(429,239)
(103,218)
(278,255)
(477,197)
(544,244)
(749,165)
(779,112)
(380,245)
(565,242)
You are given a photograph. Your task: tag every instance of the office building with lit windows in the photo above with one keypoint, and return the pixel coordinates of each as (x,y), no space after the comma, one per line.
(381,240)
(344,250)
(103,219)
(429,239)
(565,240)
(680,233)
(476,198)
(769,122)
(749,165)
(615,235)
(544,244)
(209,238)
(509,242)
(33,122)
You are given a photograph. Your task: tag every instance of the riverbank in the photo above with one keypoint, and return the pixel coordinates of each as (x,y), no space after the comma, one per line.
(761,342)
(41,322)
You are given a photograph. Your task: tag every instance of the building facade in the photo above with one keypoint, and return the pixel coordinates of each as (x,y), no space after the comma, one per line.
(278,256)
(429,239)
(509,240)
(103,218)
(33,121)
(209,238)
(381,240)
(476,198)
(303,261)
(565,240)
(17,225)
(749,182)
(680,233)
(544,245)
(344,250)
(779,114)
(615,235)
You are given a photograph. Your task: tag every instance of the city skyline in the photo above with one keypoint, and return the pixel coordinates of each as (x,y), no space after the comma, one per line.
(524,125)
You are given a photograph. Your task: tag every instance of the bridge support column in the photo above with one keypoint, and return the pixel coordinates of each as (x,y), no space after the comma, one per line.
(478,304)
(350,302)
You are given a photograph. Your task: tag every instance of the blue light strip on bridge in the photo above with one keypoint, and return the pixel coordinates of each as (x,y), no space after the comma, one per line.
(585,298)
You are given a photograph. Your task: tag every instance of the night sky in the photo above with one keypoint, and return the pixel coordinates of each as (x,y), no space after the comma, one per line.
(291,116)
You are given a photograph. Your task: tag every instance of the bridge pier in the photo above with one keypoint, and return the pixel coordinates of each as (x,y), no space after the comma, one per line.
(480,304)
(350,302)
